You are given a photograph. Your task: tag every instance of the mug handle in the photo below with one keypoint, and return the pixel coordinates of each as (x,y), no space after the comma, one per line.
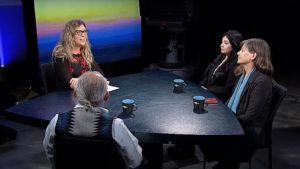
(134,107)
(205,104)
(184,85)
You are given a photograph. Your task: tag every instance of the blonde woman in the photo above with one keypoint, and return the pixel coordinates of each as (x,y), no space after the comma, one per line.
(72,55)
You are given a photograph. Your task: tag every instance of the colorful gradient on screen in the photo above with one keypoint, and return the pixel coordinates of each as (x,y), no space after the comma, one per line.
(114,26)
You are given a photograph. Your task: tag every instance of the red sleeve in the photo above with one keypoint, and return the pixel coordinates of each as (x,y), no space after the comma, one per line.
(62,70)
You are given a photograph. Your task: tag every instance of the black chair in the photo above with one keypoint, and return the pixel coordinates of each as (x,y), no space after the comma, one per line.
(75,152)
(7,98)
(49,77)
(278,95)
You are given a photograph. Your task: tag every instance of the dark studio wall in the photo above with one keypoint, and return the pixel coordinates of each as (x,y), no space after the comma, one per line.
(23,70)
(274,21)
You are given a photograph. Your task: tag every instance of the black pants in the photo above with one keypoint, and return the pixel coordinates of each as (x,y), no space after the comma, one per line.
(153,153)
(238,153)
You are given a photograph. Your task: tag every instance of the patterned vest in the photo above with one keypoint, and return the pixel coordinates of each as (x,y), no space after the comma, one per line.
(81,122)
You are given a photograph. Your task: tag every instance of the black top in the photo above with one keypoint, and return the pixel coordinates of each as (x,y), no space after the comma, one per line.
(253,108)
(65,69)
(221,82)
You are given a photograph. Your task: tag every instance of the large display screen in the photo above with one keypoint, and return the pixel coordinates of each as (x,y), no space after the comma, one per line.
(114,26)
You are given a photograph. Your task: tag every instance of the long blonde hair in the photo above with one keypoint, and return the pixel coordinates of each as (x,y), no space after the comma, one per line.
(64,47)
(262,62)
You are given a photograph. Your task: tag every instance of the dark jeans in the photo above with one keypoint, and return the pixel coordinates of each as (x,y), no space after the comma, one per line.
(154,154)
(238,153)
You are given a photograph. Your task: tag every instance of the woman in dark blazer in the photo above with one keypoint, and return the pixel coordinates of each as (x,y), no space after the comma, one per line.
(253,108)
(250,102)
(219,76)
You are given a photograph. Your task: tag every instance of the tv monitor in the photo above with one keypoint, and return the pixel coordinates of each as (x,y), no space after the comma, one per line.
(114,27)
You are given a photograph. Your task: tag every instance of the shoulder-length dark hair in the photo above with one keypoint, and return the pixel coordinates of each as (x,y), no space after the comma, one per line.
(262,62)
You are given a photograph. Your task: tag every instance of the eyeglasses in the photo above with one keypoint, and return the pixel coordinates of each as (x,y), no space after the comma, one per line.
(80,32)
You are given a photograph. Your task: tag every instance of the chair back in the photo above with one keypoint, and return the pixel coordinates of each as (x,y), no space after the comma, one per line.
(76,152)
(49,77)
(278,95)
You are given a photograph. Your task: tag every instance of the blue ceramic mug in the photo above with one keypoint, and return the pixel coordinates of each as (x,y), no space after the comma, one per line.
(179,85)
(199,102)
(128,106)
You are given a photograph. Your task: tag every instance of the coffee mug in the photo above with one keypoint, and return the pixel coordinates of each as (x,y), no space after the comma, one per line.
(199,102)
(128,106)
(179,85)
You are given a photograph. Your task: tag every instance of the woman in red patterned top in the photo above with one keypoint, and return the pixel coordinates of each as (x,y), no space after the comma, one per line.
(72,55)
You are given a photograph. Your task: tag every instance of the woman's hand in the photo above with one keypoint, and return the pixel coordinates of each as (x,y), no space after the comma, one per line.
(73,82)
(204,87)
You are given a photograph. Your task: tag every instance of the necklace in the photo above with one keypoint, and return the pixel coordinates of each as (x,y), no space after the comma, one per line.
(223,60)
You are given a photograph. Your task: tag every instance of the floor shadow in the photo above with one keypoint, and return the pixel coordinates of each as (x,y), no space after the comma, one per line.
(126,116)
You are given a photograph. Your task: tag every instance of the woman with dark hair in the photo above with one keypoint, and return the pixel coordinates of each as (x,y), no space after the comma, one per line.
(72,55)
(250,102)
(219,76)
(219,79)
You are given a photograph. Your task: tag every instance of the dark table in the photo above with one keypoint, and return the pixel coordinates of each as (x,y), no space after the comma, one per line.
(162,115)
(167,117)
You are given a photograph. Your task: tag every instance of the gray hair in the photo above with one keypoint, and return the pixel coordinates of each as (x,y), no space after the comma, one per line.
(91,89)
